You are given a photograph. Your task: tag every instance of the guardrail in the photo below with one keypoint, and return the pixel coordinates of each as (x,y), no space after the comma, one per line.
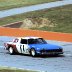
(45,34)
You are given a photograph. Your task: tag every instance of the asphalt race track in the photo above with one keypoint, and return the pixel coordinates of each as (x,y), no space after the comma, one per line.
(14,11)
(61,63)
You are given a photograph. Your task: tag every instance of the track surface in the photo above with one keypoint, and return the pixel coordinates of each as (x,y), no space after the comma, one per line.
(15,11)
(49,64)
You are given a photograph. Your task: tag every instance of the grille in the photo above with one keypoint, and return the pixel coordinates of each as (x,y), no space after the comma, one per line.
(52,50)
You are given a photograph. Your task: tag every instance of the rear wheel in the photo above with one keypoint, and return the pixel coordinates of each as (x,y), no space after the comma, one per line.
(33,52)
(11,51)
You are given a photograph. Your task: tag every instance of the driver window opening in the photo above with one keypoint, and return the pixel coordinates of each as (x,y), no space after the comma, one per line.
(23,41)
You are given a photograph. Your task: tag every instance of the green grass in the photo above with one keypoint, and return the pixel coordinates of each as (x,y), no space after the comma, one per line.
(15,70)
(8,70)
(7,4)
(61,16)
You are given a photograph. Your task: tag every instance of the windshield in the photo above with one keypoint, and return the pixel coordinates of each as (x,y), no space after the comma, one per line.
(37,41)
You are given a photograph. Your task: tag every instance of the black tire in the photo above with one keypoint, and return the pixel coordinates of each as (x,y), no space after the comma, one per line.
(11,51)
(33,52)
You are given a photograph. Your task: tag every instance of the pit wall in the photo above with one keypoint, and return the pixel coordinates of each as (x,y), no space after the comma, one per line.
(67,37)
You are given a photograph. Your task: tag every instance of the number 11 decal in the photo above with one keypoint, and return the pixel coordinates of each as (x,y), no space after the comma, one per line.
(22,48)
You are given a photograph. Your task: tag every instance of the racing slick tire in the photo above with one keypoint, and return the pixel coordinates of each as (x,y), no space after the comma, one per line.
(11,51)
(33,53)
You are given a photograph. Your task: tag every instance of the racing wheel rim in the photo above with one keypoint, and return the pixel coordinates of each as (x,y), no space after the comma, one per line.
(11,50)
(33,52)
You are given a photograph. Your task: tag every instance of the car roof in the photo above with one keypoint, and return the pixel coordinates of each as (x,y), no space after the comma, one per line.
(29,37)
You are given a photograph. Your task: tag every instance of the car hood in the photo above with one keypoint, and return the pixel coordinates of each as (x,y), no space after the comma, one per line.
(44,46)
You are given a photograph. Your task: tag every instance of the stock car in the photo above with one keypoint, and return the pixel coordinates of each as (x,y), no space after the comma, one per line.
(32,46)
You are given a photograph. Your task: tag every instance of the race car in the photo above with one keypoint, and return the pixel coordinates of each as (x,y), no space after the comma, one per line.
(32,46)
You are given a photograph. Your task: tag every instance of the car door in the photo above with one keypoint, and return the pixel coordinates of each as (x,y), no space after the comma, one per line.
(24,48)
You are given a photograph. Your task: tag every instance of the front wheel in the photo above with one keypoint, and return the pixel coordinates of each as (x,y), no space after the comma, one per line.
(33,52)
(11,51)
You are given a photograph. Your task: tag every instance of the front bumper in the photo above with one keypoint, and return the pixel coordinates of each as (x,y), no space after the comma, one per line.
(50,52)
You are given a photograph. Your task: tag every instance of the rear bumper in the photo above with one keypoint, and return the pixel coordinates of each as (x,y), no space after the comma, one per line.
(6,48)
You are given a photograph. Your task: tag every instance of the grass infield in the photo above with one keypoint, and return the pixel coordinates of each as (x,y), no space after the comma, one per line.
(60,16)
(8,4)
(5,69)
